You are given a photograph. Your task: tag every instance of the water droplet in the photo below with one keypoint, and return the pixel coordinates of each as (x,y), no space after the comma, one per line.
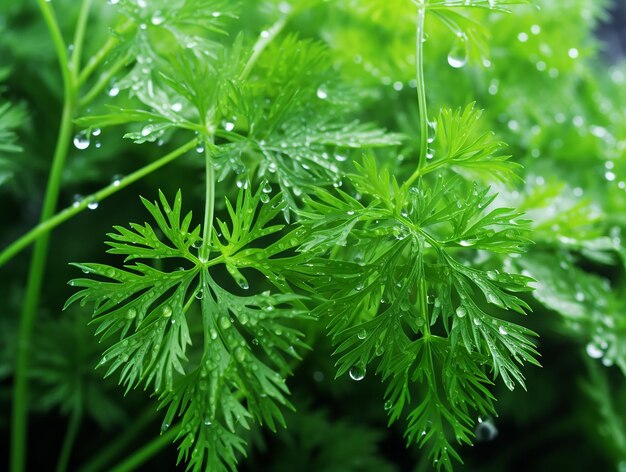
(81,140)
(167,311)
(388,405)
(573,53)
(466,243)
(461,312)
(199,294)
(522,37)
(92,205)
(225,322)
(131,313)
(177,107)
(265,34)
(357,373)
(485,431)
(213,334)
(116,180)
(362,334)
(580,296)
(164,427)
(265,198)
(594,351)
(228,126)
(207,421)
(502,330)
(459,55)
(322,94)
(157,18)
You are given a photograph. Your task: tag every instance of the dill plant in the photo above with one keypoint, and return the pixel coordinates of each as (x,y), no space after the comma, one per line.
(412,244)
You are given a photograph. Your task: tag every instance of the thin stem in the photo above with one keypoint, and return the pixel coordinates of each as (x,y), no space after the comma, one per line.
(421,85)
(102,82)
(421,94)
(106,454)
(266,38)
(142,455)
(209,210)
(70,437)
(101,55)
(59,45)
(49,224)
(19,416)
(79,37)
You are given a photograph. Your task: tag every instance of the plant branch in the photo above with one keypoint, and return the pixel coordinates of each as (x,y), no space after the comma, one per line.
(70,437)
(106,454)
(19,418)
(209,205)
(264,40)
(101,55)
(102,82)
(142,455)
(79,37)
(46,226)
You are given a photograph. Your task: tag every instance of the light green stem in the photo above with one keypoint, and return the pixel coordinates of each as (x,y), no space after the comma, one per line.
(38,261)
(70,437)
(46,226)
(209,205)
(79,37)
(142,455)
(122,441)
(102,82)
(421,92)
(266,38)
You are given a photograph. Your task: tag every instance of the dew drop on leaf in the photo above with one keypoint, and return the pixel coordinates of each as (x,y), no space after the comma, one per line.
(92,205)
(502,330)
(81,140)
(164,427)
(131,313)
(362,334)
(594,351)
(167,311)
(485,431)
(322,94)
(459,55)
(461,312)
(225,322)
(357,373)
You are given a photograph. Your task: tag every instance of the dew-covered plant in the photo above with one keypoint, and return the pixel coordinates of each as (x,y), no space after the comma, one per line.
(357,205)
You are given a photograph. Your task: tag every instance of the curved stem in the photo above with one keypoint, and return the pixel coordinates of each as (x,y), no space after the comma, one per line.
(266,38)
(421,88)
(59,45)
(109,451)
(79,37)
(209,206)
(142,455)
(38,261)
(46,226)
(70,437)
(101,55)
(102,82)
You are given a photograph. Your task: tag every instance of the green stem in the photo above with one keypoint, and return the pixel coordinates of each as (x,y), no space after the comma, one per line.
(121,442)
(49,224)
(70,437)
(266,38)
(79,37)
(102,82)
(142,455)
(421,92)
(101,55)
(209,210)
(38,261)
